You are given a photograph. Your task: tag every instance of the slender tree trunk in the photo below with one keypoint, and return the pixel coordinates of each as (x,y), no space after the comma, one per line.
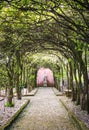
(68,82)
(85,92)
(28,87)
(87,84)
(35,78)
(71,81)
(56,85)
(77,84)
(10,72)
(10,93)
(62,79)
(6,91)
(18,74)
(85,97)
(18,89)
(24,74)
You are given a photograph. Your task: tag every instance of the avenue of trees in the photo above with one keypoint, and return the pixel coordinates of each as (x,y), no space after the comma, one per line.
(58,27)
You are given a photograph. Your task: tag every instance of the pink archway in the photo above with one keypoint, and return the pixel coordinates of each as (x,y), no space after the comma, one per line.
(45,74)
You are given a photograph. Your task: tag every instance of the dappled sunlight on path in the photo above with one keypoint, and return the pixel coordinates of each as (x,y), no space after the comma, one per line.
(44,112)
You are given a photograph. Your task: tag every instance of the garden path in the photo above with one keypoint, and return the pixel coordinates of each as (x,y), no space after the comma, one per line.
(44,112)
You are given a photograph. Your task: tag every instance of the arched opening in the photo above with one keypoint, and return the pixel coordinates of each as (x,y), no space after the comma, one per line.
(45,77)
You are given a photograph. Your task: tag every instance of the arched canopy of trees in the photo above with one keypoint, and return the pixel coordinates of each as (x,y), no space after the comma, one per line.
(59,28)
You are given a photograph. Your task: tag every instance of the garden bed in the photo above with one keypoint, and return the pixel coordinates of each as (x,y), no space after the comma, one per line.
(80,116)
(8,114)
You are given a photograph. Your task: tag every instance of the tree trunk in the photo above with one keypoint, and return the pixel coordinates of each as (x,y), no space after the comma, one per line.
(6,91)
(10,95)
(77,97)
(85,92)
(68,82)
(18,89)
(9,102)
(71,81)
(29,87)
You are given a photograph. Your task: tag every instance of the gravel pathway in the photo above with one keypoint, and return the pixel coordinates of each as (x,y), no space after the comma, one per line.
(44,112)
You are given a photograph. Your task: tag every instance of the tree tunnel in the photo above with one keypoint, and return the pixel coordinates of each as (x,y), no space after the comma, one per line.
(51,27)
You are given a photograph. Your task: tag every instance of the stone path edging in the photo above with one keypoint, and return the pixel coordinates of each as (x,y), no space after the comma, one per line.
(14,116)
(75,117)
(2,98)
(32,93)
(57,93)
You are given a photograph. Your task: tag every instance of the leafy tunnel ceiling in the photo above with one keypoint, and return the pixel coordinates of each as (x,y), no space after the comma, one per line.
(52,27)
